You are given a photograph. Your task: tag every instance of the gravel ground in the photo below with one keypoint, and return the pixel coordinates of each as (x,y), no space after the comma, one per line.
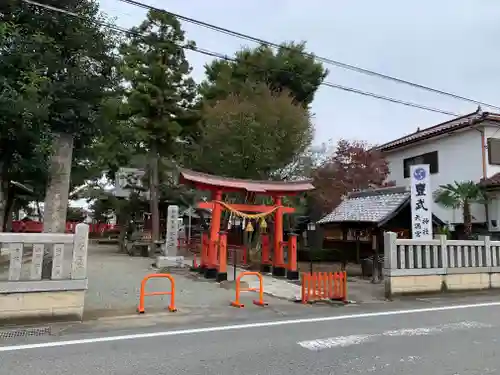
(114,285)
(115,279)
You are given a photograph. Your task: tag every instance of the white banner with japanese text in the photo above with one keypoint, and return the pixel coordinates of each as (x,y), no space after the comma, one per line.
(421,202)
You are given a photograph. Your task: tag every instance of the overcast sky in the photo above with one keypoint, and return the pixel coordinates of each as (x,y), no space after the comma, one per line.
(451,45)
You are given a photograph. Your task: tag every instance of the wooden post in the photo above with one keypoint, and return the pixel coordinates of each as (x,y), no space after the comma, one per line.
(211,270)
(375,264)
(278,262)
(292,273)
(222,271)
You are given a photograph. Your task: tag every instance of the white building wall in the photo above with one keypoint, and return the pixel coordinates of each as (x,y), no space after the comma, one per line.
(491,132)
(459,159)
(494,197)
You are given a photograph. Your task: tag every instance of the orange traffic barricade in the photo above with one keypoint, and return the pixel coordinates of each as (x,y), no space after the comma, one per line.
(320,286)
(143,293)
(260,301)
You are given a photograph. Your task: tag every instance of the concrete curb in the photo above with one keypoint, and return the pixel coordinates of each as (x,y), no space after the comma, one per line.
(137,315)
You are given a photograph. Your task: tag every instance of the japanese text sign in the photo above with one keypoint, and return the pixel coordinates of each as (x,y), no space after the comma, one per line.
(421,202)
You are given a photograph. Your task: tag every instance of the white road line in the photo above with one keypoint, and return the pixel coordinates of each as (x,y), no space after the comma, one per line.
(343,341)
(334,342)
(436,330)
(241,326)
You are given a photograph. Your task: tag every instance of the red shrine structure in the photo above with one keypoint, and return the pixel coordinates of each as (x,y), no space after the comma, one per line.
(214,249)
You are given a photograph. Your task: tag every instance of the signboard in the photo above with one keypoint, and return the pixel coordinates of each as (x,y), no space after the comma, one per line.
(128,180)
(172,235)
(421,202)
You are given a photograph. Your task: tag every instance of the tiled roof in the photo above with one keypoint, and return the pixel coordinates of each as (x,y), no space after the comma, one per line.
(443,128)
(374,206)
(491,181)
(255,186)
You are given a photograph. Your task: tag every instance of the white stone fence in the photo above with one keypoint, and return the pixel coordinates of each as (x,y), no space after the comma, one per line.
(439,256)
(415,266)
(62,279)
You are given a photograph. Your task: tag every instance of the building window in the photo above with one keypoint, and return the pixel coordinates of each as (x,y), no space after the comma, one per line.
(494,151)
(430,158)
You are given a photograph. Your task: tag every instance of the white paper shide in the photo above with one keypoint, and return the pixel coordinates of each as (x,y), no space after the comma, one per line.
(421,202)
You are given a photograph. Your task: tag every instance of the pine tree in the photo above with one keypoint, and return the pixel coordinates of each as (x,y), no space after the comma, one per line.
(159,95)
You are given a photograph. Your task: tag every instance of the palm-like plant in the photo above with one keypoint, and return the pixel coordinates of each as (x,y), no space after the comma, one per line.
(461,195)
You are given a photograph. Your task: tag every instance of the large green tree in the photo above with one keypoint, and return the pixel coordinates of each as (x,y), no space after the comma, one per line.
(284,69)
(252,134)
(24,142)
(255,119)
(76,57)
(161,93)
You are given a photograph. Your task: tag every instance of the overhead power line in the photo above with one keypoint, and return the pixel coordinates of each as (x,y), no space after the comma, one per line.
(325,60)
(227,58)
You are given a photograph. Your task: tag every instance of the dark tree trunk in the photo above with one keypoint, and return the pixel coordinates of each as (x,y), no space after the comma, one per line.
(375,264)
(57,194)
(4,193)
(123,223)
(9,208)
(467,221)
(39,211)
(154,199)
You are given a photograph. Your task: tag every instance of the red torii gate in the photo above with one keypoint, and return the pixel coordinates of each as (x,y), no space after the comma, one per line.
(219,185)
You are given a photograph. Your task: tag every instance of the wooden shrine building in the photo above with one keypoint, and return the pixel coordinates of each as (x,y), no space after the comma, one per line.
(355,227)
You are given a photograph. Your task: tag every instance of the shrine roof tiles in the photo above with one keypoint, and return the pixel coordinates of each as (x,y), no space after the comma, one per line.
(369,206)
(254,186)
(491,181)
(462,122)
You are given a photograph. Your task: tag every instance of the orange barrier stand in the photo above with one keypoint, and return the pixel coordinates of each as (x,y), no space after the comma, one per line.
(260,301)
(143,293)
(319,286)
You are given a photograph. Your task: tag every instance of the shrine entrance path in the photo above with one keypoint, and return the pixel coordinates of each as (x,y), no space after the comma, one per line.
(114,286)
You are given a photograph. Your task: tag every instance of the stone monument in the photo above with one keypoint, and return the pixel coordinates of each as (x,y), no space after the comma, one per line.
(170,257)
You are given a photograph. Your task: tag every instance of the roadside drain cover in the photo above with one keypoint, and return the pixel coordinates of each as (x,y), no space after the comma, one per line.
(25,332)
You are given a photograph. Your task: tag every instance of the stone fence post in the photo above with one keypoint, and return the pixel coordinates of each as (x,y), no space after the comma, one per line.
(80,252)
(390,252)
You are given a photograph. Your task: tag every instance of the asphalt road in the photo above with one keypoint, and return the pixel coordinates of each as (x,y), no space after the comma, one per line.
(434,340)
